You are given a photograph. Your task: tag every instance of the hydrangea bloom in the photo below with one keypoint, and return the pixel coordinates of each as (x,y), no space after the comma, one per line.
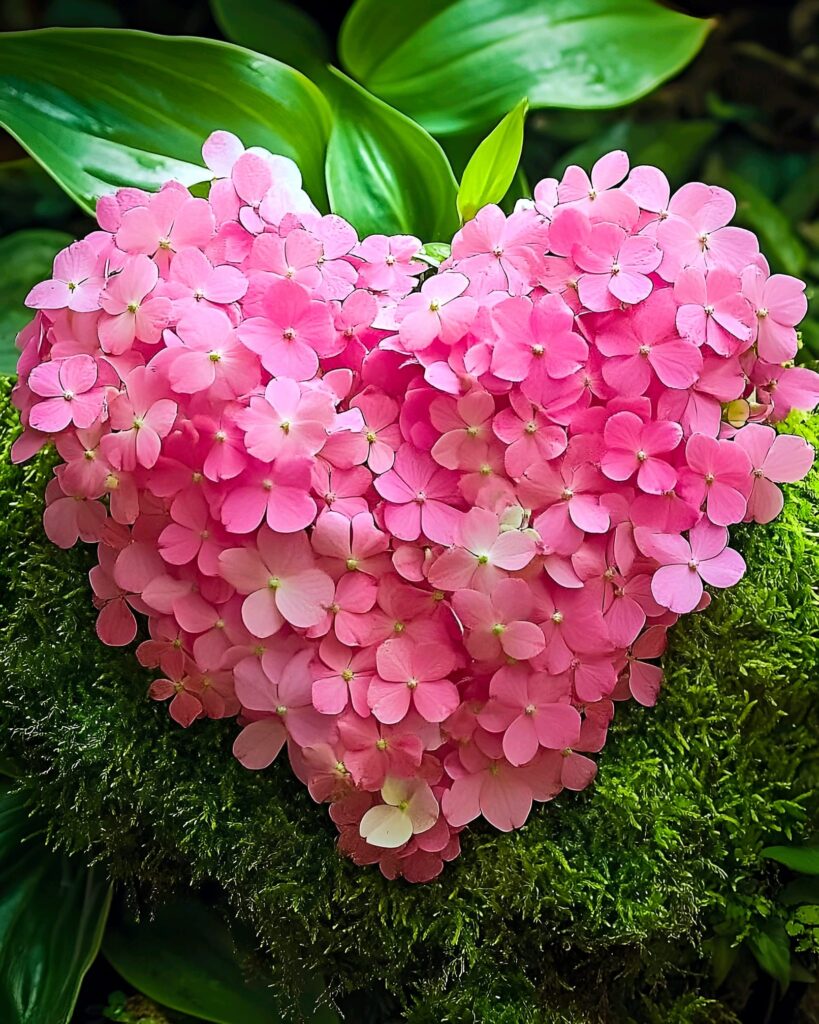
(416,527)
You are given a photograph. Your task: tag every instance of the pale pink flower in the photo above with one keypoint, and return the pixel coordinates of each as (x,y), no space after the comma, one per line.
(277,493)
(596,195)
(171,220)
(535,340)
(141,416)
(71,393)
(779,304)
(206,354)
(482,555)
(390,263)
(342,677)
(419,496)
(615,267)
(529,436)
(287,422)
(685,564)
(439,310)
(193,280)
(775,459)
(129,314)
(280,580)
(76,284)
(351,544)
(411,675)
(498,623)
(712,310)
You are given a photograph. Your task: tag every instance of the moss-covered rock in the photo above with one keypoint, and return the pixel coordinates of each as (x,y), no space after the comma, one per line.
(596,910)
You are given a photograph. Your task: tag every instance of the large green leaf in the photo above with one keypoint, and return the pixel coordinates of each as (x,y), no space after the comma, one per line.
(187,959)
(101,108)
(456,64)
(491,168)
(804,859)
(772,949)
(384,172)
(26,258)
(277,28)
(52,915)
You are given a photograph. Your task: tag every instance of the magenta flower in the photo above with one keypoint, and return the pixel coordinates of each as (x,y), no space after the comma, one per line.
(685,564)
(76,284)
(633,446)
(280,580)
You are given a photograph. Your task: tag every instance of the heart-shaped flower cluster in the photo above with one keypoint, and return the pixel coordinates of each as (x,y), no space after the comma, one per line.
(423,524)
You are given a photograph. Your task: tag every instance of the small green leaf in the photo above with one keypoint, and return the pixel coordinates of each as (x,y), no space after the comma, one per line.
(186,959)
(453,65)
(384,172)
(804,859)
(492,167)
(26,258)
(100,108)
(435,253)
(276,28)
(772,949)
(52,914)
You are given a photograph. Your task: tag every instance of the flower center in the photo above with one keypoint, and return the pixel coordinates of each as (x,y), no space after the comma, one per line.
(420,497)
(214,357)
(348,675)
(435,305)
(483,559)
(762,313)
(557,618)
(641,456)
(289,333)
(498,628)
(530,709)
(133,307)
(274,583)
(352,564)
(412,684)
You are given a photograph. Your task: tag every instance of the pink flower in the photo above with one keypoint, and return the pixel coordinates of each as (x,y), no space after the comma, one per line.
(464,426)
(410,675)
(685,564)
(354,545)
(171,220)
(633,446)
(288,422)
(76,284)
(528,435)
(497,623)
(482,554)
(71,391)
(194,280)
(616,267)
(532,711)
(381,431)
(712,310)
(294,331)
(280,580)
(390,263)
(130,314)
(419,497)
(278,493)
(373,750)
(779,304)
(499,253)
(141,416)
(642,343)
(775,459)
(207,355)
(719,474)
(440,310)
(596,196)
(342,677)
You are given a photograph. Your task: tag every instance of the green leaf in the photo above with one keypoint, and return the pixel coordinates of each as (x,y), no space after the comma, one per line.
(492,167)
(52,915)
(384,172)
(804,859)
(456,64)
(435,253)
(276,28)
(674,146)
(772,949)
(102,108)
(186,959)
(26,258)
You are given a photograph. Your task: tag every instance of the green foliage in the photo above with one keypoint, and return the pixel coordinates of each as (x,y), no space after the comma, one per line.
(804,859)
(134,109)
(186,959)
(26,257)
(461,64)
(385,174)
(277,28)
(596,910)
(491,168)
(52,914)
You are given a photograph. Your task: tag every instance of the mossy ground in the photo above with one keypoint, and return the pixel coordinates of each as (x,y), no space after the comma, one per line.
(595,911)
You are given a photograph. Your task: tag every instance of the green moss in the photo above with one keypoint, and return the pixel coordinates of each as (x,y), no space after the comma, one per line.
(596,910)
